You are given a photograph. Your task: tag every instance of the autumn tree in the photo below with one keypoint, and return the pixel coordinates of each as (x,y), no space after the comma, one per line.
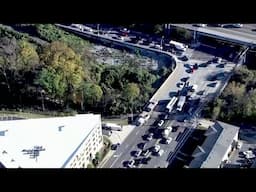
(63,73)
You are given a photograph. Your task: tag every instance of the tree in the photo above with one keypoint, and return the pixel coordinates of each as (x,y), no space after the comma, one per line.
(28,58)
(158,29)
(64,74)
(92,93)
(131,91)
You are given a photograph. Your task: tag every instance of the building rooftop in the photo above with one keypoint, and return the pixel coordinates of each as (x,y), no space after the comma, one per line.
(219,137)
(45,142)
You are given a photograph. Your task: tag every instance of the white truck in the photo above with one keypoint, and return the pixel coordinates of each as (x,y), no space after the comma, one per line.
(166,131)
(143,117)
(152,104)
(181,102)
(112,126)
(170,105)
(178,46)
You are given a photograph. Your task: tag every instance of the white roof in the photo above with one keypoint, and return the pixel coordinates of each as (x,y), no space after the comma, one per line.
(18,135)
(219,137)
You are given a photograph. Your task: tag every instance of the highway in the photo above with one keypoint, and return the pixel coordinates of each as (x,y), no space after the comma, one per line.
(200,77)
(244,35)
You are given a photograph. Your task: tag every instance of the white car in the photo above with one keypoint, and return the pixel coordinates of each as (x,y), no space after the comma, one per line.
(156,148)
(147,117)
(168,140)
(150,136)
(160,123)
(238,25)
(180,84)
(131,163)
(160,152)
(200,25)
(137,153)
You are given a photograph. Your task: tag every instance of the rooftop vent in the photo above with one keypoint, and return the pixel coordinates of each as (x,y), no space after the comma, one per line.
(60,128)
(2,133)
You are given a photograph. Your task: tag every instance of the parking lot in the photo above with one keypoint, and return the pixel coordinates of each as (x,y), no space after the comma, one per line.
(248,138)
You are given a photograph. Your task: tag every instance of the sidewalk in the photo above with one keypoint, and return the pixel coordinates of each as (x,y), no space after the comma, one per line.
(117,137)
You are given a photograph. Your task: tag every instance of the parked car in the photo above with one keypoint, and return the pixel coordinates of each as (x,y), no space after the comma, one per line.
(160,123)
(145,153)
(150,136)
(131,163)
(115,146)
(155,148)
(160,152)
(137,153)
(195,66)
(168,140)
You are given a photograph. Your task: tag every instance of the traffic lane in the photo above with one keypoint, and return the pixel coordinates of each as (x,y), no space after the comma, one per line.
(171,83)
(162,161)
(130,153)
(125,146)
(230,30)
(131,140)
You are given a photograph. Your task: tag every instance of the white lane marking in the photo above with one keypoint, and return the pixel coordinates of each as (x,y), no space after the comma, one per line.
(137,132)
(113,163)
(118,155)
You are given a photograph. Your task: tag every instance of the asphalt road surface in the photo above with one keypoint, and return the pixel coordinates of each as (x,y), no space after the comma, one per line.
(205,85)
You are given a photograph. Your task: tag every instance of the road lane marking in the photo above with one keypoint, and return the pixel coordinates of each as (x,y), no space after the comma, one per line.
(118,155)
(113,162)
(137,132)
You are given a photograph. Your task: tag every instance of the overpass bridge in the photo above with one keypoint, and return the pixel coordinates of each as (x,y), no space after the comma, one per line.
(245,37)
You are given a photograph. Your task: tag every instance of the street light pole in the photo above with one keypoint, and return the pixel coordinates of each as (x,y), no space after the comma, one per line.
(98,28)
(162,41)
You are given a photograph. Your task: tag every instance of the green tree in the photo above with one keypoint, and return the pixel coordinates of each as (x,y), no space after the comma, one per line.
(158,29)
(92,93)
(131,91)
(28,58)
(62,62)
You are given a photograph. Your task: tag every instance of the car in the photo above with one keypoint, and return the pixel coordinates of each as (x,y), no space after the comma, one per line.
(137,161)
(145,153)
(195,66)
(147,117)
(200,25)
(141,145)
(237,25)
(183,58)
(131,163)
(156,148)
(119,38)
(137,153)
(157,46)
(184,79)
(150,136)
(115,146)
(194,88)
(167,140)
(160,152)
(160,123)
(146,160)
(180,84)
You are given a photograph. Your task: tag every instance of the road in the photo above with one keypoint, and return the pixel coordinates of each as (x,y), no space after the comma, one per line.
(200,77)
(246,34)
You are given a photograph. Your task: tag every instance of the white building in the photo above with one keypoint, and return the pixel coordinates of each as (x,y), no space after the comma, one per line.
(221,139)
(61,142)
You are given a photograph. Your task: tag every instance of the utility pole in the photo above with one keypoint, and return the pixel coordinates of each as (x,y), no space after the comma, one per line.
(98,28)
(162,41)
